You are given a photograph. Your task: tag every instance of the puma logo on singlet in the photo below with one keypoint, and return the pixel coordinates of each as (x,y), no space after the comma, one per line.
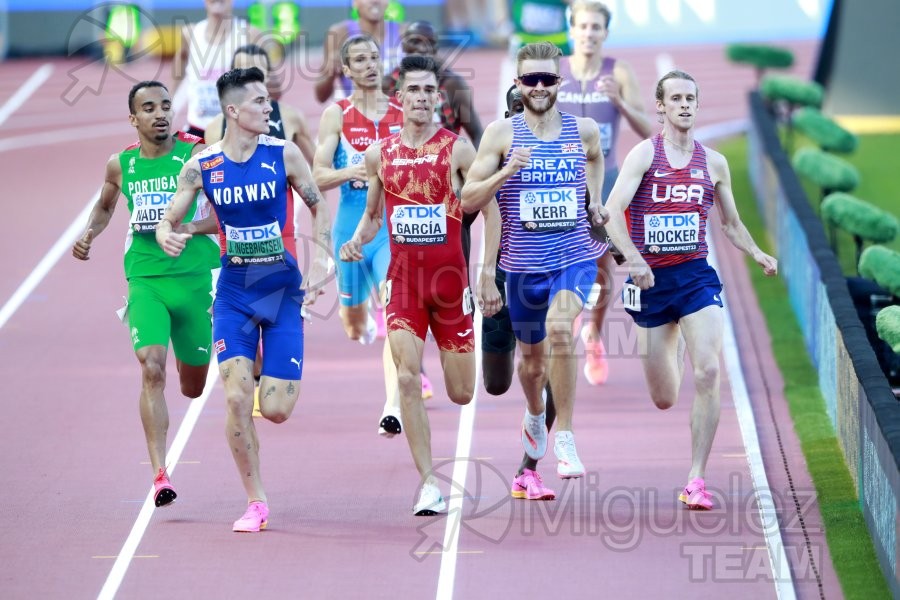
(275,124)
(179,159)
(270,167)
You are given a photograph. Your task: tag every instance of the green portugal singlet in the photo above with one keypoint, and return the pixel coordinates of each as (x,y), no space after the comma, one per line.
(149,186)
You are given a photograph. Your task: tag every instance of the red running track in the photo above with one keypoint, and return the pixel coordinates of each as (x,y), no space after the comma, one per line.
(77,471)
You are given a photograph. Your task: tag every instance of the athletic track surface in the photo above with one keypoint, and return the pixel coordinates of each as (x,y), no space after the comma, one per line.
(76,465)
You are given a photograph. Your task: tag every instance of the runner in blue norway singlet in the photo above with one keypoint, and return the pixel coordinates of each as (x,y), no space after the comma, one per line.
(259,286)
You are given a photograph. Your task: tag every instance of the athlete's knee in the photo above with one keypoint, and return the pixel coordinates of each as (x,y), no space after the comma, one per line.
(663,400)
(192,388)
(531,370)
(239,402)
(275,414)
(407,379)
(559,333)
(706,376)
(497,384)
(461,392)
(153,373)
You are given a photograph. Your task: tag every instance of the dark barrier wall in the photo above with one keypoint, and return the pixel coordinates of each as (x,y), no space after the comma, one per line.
(863,410)
(855,70)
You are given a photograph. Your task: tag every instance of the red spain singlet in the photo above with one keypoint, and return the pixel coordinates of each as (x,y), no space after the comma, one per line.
(427,278)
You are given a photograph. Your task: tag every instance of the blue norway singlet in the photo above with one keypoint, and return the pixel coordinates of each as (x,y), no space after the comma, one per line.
(545,224)
(255,209)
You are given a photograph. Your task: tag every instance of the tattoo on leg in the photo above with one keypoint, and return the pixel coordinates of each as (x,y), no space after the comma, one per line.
(290,387)
(226,372)
(269,391)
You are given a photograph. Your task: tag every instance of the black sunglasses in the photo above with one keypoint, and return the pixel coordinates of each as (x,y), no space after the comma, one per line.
(532,79)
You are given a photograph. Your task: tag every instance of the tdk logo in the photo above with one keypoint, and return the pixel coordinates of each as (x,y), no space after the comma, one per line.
(152,199)
(548,196)
(674,220)
(419,212)
(256,233)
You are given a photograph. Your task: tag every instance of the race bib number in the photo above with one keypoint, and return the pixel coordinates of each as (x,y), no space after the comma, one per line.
(259,245)
(468,303)
(631,295)
(149,209)
(419,224)
(548,209)
(671,233)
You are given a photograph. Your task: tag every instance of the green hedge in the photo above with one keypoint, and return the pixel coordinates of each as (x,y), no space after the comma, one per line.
(824,131)
(760,56)
(792,89)
(827,171)
(887,323)
(860,218)
(881,265)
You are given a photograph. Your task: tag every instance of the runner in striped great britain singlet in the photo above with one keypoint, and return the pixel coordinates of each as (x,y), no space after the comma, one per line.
(547,162)
(348,127)
(167,298)
(658,215)
(416,176)
(249,178)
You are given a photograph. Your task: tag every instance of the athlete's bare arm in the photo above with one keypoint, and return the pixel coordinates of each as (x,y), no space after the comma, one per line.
(489,299)
(373,216)
(486,176)
(301,179)
(594,169)
(628,100)
(331,61)
(103,208)
(732,225)
(633,168)
(327,177)
(189,183)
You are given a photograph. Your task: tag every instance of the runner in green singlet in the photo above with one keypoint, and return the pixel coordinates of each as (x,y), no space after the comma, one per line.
(167,298)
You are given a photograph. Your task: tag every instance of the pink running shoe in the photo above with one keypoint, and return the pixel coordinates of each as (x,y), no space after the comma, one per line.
(530,486)
(695,496)
(164,494)
(596,367)
(256,518)
(427,390)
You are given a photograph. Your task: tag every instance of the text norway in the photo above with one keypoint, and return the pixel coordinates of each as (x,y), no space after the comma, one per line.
(249,193)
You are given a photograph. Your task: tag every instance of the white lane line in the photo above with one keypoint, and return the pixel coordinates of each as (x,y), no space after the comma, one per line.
(61,247)
(768,515)
(36,80)
(450,548)
(127,553)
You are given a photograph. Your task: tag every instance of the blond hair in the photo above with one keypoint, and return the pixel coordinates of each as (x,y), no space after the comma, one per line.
(589,6)
(538,51)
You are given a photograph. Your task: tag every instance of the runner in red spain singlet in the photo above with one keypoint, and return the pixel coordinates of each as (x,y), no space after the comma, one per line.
(415,178)
(427,277)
